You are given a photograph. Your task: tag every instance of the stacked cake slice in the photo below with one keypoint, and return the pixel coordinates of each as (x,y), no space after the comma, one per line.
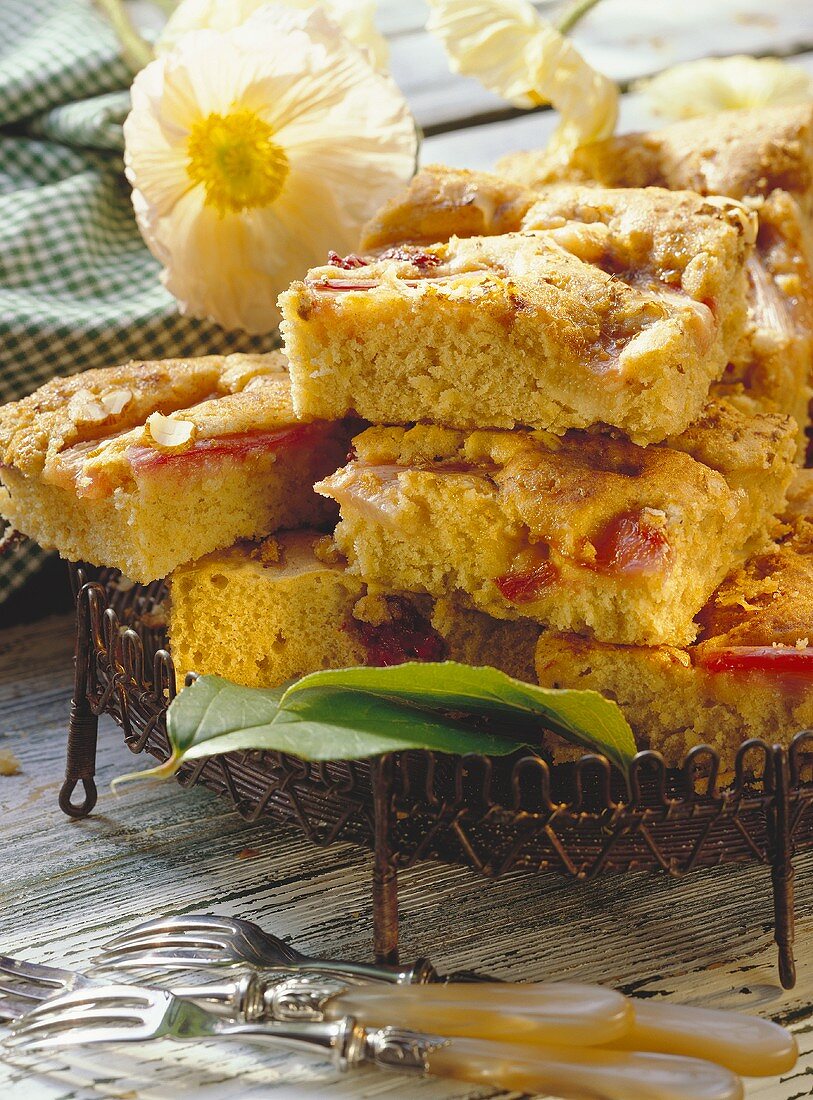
(148,465)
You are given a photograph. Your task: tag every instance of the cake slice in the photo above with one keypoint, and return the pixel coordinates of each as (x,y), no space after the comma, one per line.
(264,612)
(148,465)
(739,153)
(749,675)
(584,533)
(764,155)
(774,369)
(622,314)
(441,202)
(770,371)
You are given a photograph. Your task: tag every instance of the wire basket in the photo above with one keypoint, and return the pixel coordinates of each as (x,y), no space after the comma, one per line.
(494,814)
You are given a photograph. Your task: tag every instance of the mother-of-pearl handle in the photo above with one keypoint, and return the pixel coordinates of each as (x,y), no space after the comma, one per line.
(584,1072)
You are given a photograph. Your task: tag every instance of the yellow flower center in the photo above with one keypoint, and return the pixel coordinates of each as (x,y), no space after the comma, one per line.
(235,159)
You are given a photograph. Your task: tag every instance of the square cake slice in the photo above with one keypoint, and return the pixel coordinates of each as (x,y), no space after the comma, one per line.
(774,369)
(743,153)
(586,533)
(749,675)
(441,202)
(620,309)
(262,613)
(148,465)
(770,371)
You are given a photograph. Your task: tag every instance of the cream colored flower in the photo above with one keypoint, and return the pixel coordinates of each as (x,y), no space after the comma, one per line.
(724,83)
(254,151)
(356,18)
(515,53)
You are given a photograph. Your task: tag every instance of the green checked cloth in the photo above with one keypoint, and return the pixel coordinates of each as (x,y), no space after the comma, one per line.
(78,287)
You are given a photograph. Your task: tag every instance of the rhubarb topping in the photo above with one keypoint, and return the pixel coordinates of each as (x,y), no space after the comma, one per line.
(774,660)
(346,284)
(417,257)
(405,636)
(239,447)
(632,543)
(527,585)
(346,263)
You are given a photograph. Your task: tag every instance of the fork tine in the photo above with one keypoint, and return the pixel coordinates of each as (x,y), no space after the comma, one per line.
(34,972)
(155,939)
(28,992)
(48,1018)
(112,995)
(12,1008)
(77,1036)
(173,958)
(194,922)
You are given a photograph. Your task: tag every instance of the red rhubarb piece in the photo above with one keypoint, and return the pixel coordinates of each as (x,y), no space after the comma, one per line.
(346,263)
(406,636)
(774,660)
(522,587)
(629,544)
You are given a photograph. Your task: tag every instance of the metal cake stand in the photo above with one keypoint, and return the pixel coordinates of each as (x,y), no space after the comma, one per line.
(494,814)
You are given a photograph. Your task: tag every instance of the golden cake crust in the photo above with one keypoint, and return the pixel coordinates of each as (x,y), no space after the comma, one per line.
(738,153)
(768,600)
(263,613)
(218,394)
(745,676)
(441,202)
(769,370)
(145,466)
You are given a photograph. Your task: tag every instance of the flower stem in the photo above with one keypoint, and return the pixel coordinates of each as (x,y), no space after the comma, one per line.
(134,49)
(574,13)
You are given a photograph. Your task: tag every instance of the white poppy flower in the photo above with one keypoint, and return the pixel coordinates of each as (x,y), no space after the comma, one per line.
(254,151)
(515,53)
(714,84)
(356,18)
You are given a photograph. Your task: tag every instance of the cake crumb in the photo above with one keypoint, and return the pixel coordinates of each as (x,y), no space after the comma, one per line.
(373,610)
(9,764)
(267,552)
(326,551)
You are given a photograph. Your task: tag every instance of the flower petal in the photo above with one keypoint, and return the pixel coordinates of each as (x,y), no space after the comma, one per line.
(714,84)
(356,18)
(515,53)
(345,130)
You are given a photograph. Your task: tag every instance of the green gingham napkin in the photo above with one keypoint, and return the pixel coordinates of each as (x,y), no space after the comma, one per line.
(78,288)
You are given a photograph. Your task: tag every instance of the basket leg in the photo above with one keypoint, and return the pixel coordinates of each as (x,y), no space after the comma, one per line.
(385,872)
(83,725)
(782,871)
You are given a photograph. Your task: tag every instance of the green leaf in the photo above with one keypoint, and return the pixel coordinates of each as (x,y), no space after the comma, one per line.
(347,725)
(585,718)
(352,713)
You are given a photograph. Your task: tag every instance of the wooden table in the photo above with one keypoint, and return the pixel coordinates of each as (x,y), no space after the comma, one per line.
(69,886)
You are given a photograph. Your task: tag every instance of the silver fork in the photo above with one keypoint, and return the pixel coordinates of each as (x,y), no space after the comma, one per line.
(25,985)
(200,941)
(122,1014)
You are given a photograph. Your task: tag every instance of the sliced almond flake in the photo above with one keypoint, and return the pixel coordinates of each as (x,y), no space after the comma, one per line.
(168,432)
(86,408)
(116,400)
